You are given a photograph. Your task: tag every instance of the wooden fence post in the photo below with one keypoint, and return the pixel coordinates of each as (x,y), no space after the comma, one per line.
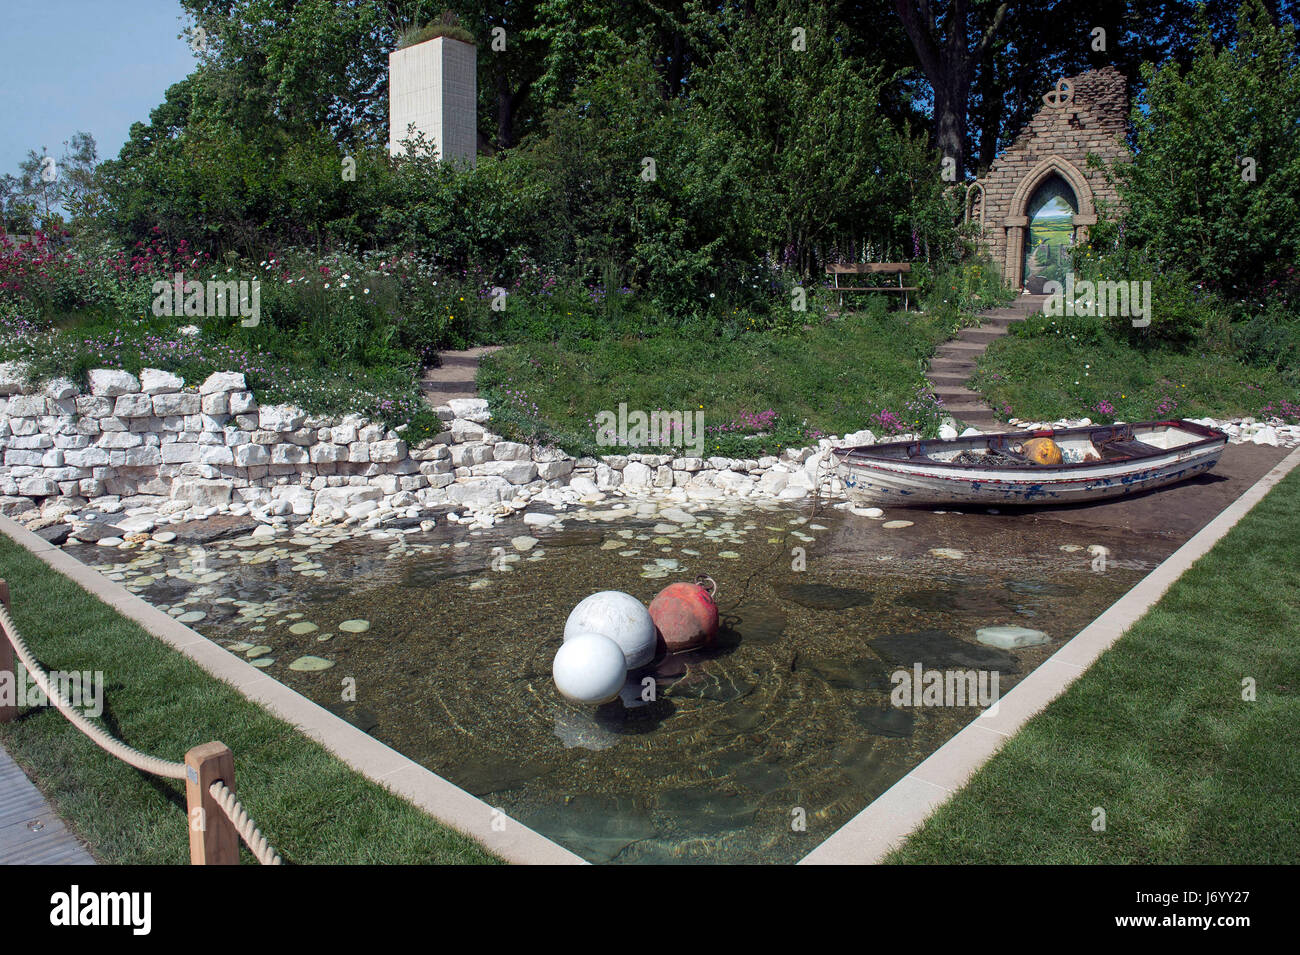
(8,674)
(213,838)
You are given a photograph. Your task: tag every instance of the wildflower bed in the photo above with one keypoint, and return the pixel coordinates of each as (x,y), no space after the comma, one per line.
(1048,368)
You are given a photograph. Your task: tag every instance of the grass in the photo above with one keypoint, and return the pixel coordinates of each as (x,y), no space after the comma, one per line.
(1074,368)
(1157,733)
(826,379)
(313,808)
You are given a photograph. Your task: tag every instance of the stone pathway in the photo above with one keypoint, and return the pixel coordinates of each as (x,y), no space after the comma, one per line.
(954,362)
(31,833)
(454,378)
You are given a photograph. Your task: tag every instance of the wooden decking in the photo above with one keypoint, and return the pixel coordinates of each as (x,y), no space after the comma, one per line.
(30,831)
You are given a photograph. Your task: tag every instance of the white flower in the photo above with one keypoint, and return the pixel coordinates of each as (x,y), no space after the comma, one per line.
(327,284)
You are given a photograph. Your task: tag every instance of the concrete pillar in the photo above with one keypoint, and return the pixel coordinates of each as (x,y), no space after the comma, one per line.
(433,87)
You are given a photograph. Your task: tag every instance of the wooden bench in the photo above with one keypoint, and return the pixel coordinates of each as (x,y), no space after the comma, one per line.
(872,268)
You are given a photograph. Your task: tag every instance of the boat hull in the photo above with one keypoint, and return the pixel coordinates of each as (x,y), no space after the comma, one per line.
(882,482)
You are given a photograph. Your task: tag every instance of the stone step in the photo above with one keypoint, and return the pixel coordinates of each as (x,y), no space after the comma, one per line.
(950,394)
(960,350)
(963,408)
(981,336)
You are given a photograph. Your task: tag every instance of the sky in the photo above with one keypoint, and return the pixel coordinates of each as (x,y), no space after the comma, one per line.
(92,65)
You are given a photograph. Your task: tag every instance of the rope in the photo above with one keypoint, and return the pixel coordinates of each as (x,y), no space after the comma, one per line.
(240,819)
(115,747)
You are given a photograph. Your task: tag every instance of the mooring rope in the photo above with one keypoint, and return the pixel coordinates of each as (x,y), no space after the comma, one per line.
(243,823)
(238,816)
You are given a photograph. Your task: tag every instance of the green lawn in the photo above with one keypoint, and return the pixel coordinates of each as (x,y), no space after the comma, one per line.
(1043,371)
(313,808)
(1157,734)
(826,379)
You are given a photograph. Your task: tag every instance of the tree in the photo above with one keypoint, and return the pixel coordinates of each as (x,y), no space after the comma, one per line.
(949,56)
(1214,187)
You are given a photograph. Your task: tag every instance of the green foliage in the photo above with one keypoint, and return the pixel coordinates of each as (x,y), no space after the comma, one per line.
(1214,188)
(955,292)
(1049,368)
(794,388)
(432,31)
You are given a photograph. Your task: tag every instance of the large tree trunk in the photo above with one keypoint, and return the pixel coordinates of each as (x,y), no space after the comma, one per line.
(949,61)
(505,113)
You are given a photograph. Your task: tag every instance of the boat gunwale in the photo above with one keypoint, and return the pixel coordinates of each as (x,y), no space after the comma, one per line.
(868,456)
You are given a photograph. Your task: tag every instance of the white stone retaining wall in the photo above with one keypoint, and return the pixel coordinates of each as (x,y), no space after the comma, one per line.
(157,445)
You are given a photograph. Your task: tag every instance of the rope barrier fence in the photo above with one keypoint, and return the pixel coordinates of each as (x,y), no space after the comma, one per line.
(217,821)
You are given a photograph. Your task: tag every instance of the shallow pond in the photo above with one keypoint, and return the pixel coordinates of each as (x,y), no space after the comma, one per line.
(754,750)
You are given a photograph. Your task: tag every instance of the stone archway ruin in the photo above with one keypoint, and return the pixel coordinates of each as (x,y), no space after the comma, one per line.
(1084,115)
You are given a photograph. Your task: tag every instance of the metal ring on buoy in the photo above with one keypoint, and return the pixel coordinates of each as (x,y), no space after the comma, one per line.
(713,585)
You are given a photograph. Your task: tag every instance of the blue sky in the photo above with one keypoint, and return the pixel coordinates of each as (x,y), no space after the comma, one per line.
(93,65)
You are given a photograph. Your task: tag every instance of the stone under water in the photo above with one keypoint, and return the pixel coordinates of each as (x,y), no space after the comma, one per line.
(823,596)
(1011,638)
(934,649)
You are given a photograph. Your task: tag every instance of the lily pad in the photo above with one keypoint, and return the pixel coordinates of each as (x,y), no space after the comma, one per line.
(299,629)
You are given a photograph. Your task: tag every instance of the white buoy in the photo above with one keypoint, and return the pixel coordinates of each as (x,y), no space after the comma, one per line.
(622,618)
(589,668)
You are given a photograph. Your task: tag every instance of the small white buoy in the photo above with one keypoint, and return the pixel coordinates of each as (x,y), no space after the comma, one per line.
(589,668)
(620,617)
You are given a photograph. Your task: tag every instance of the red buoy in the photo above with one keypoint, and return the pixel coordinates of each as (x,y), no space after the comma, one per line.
(686,615)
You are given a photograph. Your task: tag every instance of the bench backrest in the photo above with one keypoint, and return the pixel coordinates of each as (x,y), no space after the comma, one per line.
(870,268)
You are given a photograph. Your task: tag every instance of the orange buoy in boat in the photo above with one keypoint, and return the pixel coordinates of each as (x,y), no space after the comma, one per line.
(1042,451)
(686,614)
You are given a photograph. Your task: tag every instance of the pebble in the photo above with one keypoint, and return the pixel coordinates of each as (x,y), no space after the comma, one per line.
(354,626)
(894,525)
(310,664)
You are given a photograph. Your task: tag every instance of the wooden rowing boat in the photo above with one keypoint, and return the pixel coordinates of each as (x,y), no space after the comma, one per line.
(1099,461)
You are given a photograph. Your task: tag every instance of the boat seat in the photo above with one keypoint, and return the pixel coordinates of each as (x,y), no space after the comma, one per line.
(1126,449)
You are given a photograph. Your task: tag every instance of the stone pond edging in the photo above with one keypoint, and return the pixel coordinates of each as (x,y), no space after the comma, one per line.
(151,450)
